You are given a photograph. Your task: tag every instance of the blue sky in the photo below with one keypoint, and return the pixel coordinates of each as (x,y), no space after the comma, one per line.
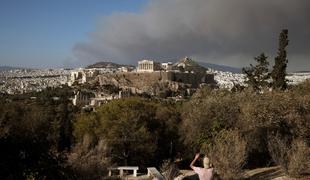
(42,33)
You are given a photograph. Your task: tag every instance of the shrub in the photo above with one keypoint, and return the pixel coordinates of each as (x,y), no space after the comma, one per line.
(207,114)
(292,155)
(299,159)
(252,115)
(169,170)
(279,148)
(137,131)
(228,154)
(89,162)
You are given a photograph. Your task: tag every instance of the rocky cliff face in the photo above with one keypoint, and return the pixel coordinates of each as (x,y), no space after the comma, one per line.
(156,83)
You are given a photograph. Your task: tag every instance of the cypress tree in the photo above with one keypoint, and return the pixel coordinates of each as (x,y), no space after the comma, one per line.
(279,68)
(257,76)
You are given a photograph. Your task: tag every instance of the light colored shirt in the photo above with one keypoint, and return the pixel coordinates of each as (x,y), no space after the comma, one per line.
(204,173)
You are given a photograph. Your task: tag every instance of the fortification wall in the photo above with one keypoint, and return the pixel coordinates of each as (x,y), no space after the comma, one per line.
(149,78)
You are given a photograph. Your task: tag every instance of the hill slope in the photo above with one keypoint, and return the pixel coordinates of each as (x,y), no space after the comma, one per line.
(220,67)
(106,64)
(187,64)
(7,68)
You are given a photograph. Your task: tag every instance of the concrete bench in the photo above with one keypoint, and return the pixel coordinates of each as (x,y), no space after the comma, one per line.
(152,171)
(122,168)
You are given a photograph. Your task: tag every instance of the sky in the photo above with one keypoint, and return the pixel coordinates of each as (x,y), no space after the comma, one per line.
(73,33)
(42,33)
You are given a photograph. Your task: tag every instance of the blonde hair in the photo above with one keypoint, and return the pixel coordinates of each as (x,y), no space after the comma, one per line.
(206,162)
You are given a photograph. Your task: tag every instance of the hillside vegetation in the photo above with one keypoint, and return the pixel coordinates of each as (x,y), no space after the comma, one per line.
(51,139)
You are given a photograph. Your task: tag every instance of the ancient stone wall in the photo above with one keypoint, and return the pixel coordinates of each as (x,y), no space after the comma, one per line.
(149,78)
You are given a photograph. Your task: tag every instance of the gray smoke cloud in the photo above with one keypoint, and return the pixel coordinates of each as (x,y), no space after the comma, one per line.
(229,32)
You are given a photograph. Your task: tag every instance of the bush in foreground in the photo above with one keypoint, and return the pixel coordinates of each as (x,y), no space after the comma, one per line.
(89,162)
(299,160)
(228,154)
(292,155)
(169,170)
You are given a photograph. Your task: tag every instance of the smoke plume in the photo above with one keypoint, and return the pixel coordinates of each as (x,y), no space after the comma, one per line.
(229,32)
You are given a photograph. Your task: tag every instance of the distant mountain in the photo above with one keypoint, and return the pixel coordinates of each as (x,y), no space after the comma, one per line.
(220,67)
(300,72)
(7,68)
(191,65)
(107,65)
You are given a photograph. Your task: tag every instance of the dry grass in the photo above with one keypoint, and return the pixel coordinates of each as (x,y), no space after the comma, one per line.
(293,156)
(89,162)
(299,159)
(279,148)
(228,155)
(169,170)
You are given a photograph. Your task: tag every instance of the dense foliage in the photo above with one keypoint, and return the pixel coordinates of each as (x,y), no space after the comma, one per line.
(34,128)
(48,138)
(279,69)
(258,75)
(137,131)
(257,118)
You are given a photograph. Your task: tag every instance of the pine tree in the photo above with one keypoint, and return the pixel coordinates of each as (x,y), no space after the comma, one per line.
(257,76)
(279,68)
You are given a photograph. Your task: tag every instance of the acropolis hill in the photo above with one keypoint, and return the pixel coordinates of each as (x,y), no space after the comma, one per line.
(149,77)
(155,82)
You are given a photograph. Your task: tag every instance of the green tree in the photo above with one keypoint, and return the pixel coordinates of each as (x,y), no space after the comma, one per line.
(257,76)
(128,126)
(86,124)
(136,130)
(168,115)
(279,68)
(33,134)
(26,150)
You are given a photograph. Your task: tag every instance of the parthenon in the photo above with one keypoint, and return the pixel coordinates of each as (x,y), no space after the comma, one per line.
(148,66)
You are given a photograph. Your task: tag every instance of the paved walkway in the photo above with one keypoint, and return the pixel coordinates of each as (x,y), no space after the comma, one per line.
(270,173)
